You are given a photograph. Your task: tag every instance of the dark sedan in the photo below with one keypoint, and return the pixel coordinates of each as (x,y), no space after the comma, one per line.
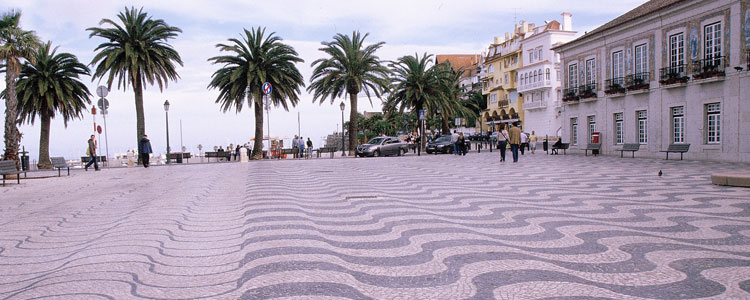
(440,145)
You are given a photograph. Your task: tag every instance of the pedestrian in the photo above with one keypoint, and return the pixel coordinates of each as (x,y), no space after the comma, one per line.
(557,145)
(524,141)
(220,154)
(91,151)
(309,147)
(144,151)
(454,141)
(301,145)
(295,146)
(461,144)
(515,141)
(502,142)
(532,142)
(237,152)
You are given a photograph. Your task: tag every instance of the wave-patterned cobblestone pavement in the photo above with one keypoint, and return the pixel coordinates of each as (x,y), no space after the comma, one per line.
(430,227)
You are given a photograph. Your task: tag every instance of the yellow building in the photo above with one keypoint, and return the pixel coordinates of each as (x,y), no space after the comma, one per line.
(500,79)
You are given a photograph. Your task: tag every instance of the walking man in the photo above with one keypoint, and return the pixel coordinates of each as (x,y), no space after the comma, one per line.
(532,142)
(144,151)
(295,146)
(309,147)
(301,145)
(502,142)
(91,151)
(454,141)
(524,141)
(515,141)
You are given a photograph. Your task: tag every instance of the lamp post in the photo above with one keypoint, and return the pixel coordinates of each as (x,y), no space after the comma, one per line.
(343,143)
(166,111)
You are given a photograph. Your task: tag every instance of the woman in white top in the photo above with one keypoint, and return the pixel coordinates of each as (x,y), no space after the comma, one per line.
(502,142)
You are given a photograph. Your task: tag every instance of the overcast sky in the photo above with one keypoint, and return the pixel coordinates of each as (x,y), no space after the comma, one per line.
(435,27)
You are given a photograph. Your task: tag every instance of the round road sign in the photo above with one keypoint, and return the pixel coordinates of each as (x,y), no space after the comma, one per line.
(267,88)
(103,104)
(102,91)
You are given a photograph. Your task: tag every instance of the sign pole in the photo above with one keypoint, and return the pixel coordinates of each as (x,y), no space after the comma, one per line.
(267,89)
(106,139)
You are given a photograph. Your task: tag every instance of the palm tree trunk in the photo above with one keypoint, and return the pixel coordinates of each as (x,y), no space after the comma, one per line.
(44,162)
(12,136)
(446,127)
(140,119)
(353,120)
(419,128)
(258,144)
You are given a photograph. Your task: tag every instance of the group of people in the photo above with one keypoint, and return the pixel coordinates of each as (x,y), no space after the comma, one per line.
(516,141)
(302,148)
(460,146)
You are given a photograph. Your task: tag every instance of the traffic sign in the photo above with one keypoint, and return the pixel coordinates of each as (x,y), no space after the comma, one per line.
(267,88)
(103,104)
(422,113)
(102,91)
(99,129)
(458,122)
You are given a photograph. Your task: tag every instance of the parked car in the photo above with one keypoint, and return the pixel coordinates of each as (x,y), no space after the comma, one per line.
(440,145)
(382,146)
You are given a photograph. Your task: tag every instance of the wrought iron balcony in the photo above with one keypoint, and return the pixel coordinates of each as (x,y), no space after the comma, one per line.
(587,91)
(570,94)
(709,68)
(673,74)
(638,81)
(503,103)
(615,86)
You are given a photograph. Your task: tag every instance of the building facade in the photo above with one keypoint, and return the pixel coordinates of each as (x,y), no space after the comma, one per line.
(667,72)
(539,80)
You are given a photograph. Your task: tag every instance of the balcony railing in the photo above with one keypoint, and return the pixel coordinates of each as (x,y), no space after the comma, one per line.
(638,81)
(503,103)
(673,74)
(709,68)
(615,86)
(570,94)
(535,85)
(535,104)
(587,90)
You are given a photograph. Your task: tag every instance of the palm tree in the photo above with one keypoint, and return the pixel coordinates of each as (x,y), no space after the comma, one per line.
(418,85)
(48,87)
(350,68)
(136,53)
(15,44)
(254,60)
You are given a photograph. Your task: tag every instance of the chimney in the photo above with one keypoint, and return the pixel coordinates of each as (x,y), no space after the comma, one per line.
(498,40)
(507,36)
(567,21)
(524,27)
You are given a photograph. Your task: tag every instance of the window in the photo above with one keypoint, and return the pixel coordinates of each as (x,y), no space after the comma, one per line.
(534,76)
(713,123)
(592,127)
(618,128)
(641,59)
(531,56)
(573,76)
(618,66)
(493,98)
(678,125)
(712,41)
(547,74)
(540,54)
(492,68)
(506,79)
(574,131)
(677,50)
(591,71)
(642,116)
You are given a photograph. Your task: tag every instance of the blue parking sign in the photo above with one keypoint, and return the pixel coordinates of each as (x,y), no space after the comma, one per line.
(422,113)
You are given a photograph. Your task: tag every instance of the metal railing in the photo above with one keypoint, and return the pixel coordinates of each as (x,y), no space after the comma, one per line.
(570,94)
(673,74)
(709,67)
(615,85)
(638,81)
(535,104)
(503,103)
(587,90)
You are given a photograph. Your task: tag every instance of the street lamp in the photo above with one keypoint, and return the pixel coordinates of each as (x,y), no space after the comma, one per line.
(166,111)
(342,106)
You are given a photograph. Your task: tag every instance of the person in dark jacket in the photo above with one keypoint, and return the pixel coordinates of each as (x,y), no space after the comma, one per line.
(144,150)
(557,145)
(91,151)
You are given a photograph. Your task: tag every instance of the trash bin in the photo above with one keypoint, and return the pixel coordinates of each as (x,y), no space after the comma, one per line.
(545,145)
(595,137)
(25,163)
(179,158)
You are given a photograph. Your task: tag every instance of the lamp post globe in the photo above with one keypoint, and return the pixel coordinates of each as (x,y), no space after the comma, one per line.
(343,143)
(166,111)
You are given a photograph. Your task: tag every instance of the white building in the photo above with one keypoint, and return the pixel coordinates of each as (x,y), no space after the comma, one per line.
(539,80)
(667,72)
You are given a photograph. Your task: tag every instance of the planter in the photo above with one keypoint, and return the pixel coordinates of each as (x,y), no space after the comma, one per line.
(637,87)
(674,80)
(615,90)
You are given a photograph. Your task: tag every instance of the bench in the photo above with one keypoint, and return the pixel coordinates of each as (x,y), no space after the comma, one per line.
(288,151)
(8,167)
(677,148)
(630,147)
(592,148)
(59,163)
(179,156)
(330,150)
(563,147)
(218,155)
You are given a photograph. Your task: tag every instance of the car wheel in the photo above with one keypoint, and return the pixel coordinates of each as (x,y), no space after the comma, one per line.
(446,150)
(400,152)
(376,153)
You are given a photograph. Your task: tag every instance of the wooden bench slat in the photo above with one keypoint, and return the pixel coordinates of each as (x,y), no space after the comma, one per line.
(630,147)
(677,148)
